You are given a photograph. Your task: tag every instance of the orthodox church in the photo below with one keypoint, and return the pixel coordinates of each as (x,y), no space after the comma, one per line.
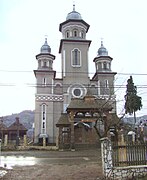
(54,95)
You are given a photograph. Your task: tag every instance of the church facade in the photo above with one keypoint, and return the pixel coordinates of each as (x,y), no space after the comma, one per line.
(53,95)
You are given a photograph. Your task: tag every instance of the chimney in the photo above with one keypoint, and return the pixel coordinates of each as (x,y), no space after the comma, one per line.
(17,120)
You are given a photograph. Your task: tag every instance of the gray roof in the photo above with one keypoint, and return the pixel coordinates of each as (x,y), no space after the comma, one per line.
(74,15)
(102,51)
(89,102)
(63,120)
(45,48)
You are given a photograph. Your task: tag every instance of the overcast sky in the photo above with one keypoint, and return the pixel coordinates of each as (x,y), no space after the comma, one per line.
(24,23)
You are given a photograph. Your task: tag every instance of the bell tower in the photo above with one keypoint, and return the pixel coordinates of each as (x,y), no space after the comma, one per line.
(104,75)
(44,90)
(74,49)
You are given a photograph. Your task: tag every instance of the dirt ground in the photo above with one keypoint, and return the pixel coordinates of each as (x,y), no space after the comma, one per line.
(87,171)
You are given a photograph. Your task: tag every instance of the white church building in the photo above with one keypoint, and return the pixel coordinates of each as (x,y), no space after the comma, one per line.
(53,95)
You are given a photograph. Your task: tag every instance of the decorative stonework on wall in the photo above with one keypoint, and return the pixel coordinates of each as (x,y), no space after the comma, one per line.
(49,98)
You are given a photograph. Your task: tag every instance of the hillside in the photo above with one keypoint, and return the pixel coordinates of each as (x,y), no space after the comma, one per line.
(26,118)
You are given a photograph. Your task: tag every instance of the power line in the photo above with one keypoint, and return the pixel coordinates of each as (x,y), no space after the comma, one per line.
(67,85)
(29,71)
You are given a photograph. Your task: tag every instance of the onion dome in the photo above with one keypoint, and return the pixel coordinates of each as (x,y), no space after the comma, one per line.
(102,51)
(74,15)
(45,48)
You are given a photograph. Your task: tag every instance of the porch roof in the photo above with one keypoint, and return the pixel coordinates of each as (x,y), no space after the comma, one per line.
(63,120)
(89,103)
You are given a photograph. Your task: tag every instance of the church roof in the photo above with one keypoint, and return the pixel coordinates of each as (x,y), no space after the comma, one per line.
(89,103)
(45,47)
(74,14)
(102,51)
(63,120)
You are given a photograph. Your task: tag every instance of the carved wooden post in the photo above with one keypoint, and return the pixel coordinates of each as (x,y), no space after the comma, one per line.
(25,140)
(6,140)
(72,140)
(60,139)
(122,149)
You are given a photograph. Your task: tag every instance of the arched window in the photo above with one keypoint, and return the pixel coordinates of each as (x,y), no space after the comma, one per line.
(82,35)
(58,89)
(67,34)
(44,81)
(106,87)
(109,66)
(104,65)
(43,121)
(75,33)
(99,65)
(106,83)
(99,88)
(76,58)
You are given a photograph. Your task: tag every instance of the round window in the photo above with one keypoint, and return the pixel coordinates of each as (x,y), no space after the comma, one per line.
(77,92)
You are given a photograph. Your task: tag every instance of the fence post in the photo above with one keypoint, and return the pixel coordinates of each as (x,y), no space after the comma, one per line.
(106,152)
(25,140)
(122,151)
(6,140)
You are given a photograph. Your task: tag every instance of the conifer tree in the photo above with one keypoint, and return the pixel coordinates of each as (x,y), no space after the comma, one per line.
(133,102)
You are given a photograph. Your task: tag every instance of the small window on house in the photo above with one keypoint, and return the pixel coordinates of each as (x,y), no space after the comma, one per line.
(44,64)
(76,57)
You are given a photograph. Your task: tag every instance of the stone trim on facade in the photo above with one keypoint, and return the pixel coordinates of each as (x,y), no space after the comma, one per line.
(49,98)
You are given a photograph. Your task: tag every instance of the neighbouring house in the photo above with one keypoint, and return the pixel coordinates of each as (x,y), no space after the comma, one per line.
(14,131)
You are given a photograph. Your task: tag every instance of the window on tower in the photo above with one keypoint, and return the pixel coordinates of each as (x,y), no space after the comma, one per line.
(43,119)
(44,81)
(82,35)
(67,34)
(76,58)
(106,83)
(44,64)
(105,65)
(75,33)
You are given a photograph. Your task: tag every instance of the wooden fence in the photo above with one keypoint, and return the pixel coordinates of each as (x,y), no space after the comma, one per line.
(129,154)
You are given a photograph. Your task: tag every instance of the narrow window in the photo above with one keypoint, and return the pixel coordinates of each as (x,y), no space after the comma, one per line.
(105,66)
(43,115)
(82,35)
(44,64)
(43,125)
(99,88)
(76,57)
(43,119)
(75,33)
(106,83)
(99,65)
(67,34)
(44,81)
